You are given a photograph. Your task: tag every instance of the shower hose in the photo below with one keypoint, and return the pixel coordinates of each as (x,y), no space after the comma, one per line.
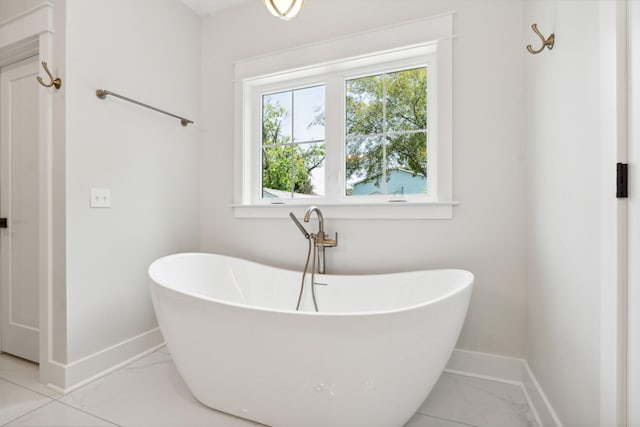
(313,272)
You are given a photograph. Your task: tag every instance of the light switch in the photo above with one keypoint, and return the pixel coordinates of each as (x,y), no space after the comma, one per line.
(100,198)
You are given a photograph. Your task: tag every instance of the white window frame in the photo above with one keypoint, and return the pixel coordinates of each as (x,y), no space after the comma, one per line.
(424,42)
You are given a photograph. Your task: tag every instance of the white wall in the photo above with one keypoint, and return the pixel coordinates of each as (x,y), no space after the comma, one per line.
(11,8)
(564,243)
(149,51)
(486,235)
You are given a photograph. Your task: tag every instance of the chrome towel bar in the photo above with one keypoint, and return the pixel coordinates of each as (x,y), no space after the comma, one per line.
(102,94)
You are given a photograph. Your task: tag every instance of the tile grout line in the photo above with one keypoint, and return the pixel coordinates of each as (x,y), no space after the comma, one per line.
(89,413)
(32,390)
(27,388)
(27,413)
(98,378)
(446,419)
(62,395)
(496,380)
(51,400)
(532,407)
(520,384)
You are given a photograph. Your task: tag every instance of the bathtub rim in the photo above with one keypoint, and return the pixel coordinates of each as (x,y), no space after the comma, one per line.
(467,283)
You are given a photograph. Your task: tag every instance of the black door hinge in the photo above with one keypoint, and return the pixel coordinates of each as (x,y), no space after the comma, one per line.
(622,181)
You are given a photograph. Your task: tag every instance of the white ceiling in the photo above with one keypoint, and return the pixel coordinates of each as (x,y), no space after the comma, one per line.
(210,7)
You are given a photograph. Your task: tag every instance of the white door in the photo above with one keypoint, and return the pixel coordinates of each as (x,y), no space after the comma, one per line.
(19,246)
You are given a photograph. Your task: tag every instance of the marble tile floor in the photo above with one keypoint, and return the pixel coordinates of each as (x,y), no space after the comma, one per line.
(150,393)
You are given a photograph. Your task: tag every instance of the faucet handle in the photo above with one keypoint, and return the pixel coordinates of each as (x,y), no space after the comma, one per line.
(327,243)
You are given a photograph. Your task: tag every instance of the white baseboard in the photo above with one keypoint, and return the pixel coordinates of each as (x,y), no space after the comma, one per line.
(508,370)
(69,377)
(538,399)
(80,372)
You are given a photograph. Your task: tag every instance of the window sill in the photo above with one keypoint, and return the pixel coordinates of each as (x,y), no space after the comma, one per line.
(381,210)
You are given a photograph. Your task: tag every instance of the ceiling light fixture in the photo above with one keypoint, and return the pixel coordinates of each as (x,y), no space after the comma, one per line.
(284,9)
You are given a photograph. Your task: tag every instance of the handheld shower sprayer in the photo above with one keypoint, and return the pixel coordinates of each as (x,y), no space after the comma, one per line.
(304,232)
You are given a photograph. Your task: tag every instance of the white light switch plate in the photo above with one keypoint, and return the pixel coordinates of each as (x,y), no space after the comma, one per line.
(100,198)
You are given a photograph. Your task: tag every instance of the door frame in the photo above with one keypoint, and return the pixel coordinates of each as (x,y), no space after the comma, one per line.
(28,34)
(614,213)
(633,290)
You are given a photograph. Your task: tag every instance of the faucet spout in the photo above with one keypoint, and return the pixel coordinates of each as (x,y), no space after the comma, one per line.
(307,217)
(320,240)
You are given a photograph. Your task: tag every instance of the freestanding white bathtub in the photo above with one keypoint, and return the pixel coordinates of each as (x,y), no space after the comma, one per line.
(368,358)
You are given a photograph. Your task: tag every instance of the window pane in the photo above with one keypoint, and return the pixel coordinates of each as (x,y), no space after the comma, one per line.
(386,143)
(394,168)
(406,100)
(276,118)
(364,106)
(365,165)
(277,172)
(309,170)
(308,114)
(293,168)
(407,163)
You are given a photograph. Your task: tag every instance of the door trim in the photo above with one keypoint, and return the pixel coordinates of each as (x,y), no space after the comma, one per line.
(613,100)
(633,290)
(21,36)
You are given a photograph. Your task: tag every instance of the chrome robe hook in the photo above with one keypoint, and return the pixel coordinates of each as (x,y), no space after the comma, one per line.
(53,82)
(548,42)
